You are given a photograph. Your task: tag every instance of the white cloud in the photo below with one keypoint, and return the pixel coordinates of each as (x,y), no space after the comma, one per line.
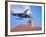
(21,10)
(29,12)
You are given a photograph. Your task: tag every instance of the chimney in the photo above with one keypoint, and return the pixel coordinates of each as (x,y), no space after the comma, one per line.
(31,22)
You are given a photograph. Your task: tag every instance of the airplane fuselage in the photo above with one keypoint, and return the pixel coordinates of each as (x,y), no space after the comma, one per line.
(21,15)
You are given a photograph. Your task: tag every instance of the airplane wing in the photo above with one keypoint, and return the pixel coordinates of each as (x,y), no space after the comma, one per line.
(14,14)
(25,10)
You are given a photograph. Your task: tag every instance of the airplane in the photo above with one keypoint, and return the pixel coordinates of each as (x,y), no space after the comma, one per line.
(22,15)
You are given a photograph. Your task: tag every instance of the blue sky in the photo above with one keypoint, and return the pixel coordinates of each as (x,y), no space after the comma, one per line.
(35,11)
